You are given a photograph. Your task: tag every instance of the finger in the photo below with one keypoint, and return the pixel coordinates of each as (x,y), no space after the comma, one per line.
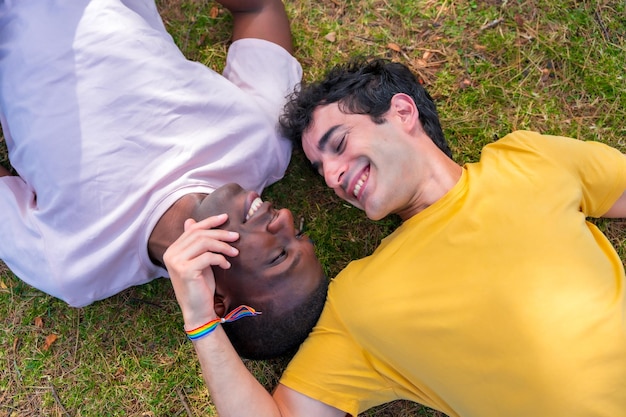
(199,266)
(191,226)
(195,244)
(204,244)
(202,240)
(213,259)
(219,234)
(209,222)
(210,240)
(188,224)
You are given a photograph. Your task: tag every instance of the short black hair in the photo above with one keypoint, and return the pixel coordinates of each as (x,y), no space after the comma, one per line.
(361,86)
(276,332)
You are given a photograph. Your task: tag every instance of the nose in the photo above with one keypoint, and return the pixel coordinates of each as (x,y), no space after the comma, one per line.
(282,222)
(333,173)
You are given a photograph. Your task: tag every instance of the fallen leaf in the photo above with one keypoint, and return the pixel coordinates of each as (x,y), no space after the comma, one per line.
(119,374)
(480,47)
(16,344)
(420,63)
(214,12)
(465,83)
(3,285)
(39,322)
(394,47)
(519,20)
(426,56)
(50,339)
(331,37)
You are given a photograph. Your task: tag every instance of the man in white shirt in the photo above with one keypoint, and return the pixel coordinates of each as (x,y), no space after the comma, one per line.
(117,139)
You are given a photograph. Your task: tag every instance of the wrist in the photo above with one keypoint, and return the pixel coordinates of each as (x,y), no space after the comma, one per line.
(196,331)
(193,321)
(199,332)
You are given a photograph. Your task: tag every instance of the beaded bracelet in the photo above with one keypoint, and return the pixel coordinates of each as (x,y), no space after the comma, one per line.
(236,314)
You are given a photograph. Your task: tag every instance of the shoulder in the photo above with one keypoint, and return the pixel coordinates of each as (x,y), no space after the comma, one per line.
(526,140)
(529,145)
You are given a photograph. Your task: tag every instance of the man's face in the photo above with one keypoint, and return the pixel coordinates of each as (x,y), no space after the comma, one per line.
(274,261)
(372,166)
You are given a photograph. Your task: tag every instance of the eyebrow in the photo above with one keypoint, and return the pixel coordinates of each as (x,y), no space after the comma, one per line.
(323,142)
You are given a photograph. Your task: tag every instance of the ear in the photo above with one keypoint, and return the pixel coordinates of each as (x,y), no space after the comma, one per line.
(221,298)
(219,305)
(404,108)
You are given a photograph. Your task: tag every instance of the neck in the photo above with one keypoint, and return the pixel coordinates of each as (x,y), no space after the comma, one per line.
(444,175)
(171,225)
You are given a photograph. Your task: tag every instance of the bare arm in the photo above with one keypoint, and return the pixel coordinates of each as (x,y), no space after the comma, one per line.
(233,388)
(188,260)
(261,19)
(235,392)
(291,403)
(618,209)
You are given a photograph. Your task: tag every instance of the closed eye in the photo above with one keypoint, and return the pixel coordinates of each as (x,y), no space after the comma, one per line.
(341,144)
(281,257)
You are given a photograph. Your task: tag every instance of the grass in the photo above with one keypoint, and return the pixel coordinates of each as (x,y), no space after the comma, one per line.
(492,66)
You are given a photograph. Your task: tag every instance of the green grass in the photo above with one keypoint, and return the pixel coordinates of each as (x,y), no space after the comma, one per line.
(552,66)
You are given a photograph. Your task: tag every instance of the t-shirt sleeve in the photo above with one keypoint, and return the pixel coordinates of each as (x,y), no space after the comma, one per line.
(598,168)
(332,368)
(603,177)
(266,71)
(17,201)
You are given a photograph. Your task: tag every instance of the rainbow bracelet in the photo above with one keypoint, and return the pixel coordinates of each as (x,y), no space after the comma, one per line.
(207,328)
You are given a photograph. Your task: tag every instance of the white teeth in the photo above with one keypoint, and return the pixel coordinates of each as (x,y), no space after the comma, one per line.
(359,184)
(357,187)
(254,207)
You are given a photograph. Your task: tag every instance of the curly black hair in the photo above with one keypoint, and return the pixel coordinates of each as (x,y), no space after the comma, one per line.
(277,332)
(361,86)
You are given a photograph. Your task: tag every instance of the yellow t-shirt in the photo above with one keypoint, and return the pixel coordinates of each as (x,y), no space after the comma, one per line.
(498,300)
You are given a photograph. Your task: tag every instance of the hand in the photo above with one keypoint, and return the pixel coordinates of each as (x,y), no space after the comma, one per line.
(189,260)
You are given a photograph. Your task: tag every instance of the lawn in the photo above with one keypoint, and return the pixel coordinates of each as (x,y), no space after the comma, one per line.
(557,67)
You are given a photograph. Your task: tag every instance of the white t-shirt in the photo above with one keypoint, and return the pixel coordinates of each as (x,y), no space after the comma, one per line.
(108,124)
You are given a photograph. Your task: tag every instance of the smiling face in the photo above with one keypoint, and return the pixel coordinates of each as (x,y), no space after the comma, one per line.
(375,167)
(274,261)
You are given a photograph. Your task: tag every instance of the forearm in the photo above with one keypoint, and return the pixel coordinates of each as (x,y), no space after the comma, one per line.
(189,261)
(234,390)
(618,209)
(261,19)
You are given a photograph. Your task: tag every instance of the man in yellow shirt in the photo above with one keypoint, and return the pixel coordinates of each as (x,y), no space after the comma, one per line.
(495,297)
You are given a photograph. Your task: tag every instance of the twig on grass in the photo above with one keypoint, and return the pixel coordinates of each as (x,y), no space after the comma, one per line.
(58,400)
(492,24)
(184,401)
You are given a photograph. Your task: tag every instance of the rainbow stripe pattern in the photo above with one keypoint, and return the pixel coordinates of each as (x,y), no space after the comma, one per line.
(207,328)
